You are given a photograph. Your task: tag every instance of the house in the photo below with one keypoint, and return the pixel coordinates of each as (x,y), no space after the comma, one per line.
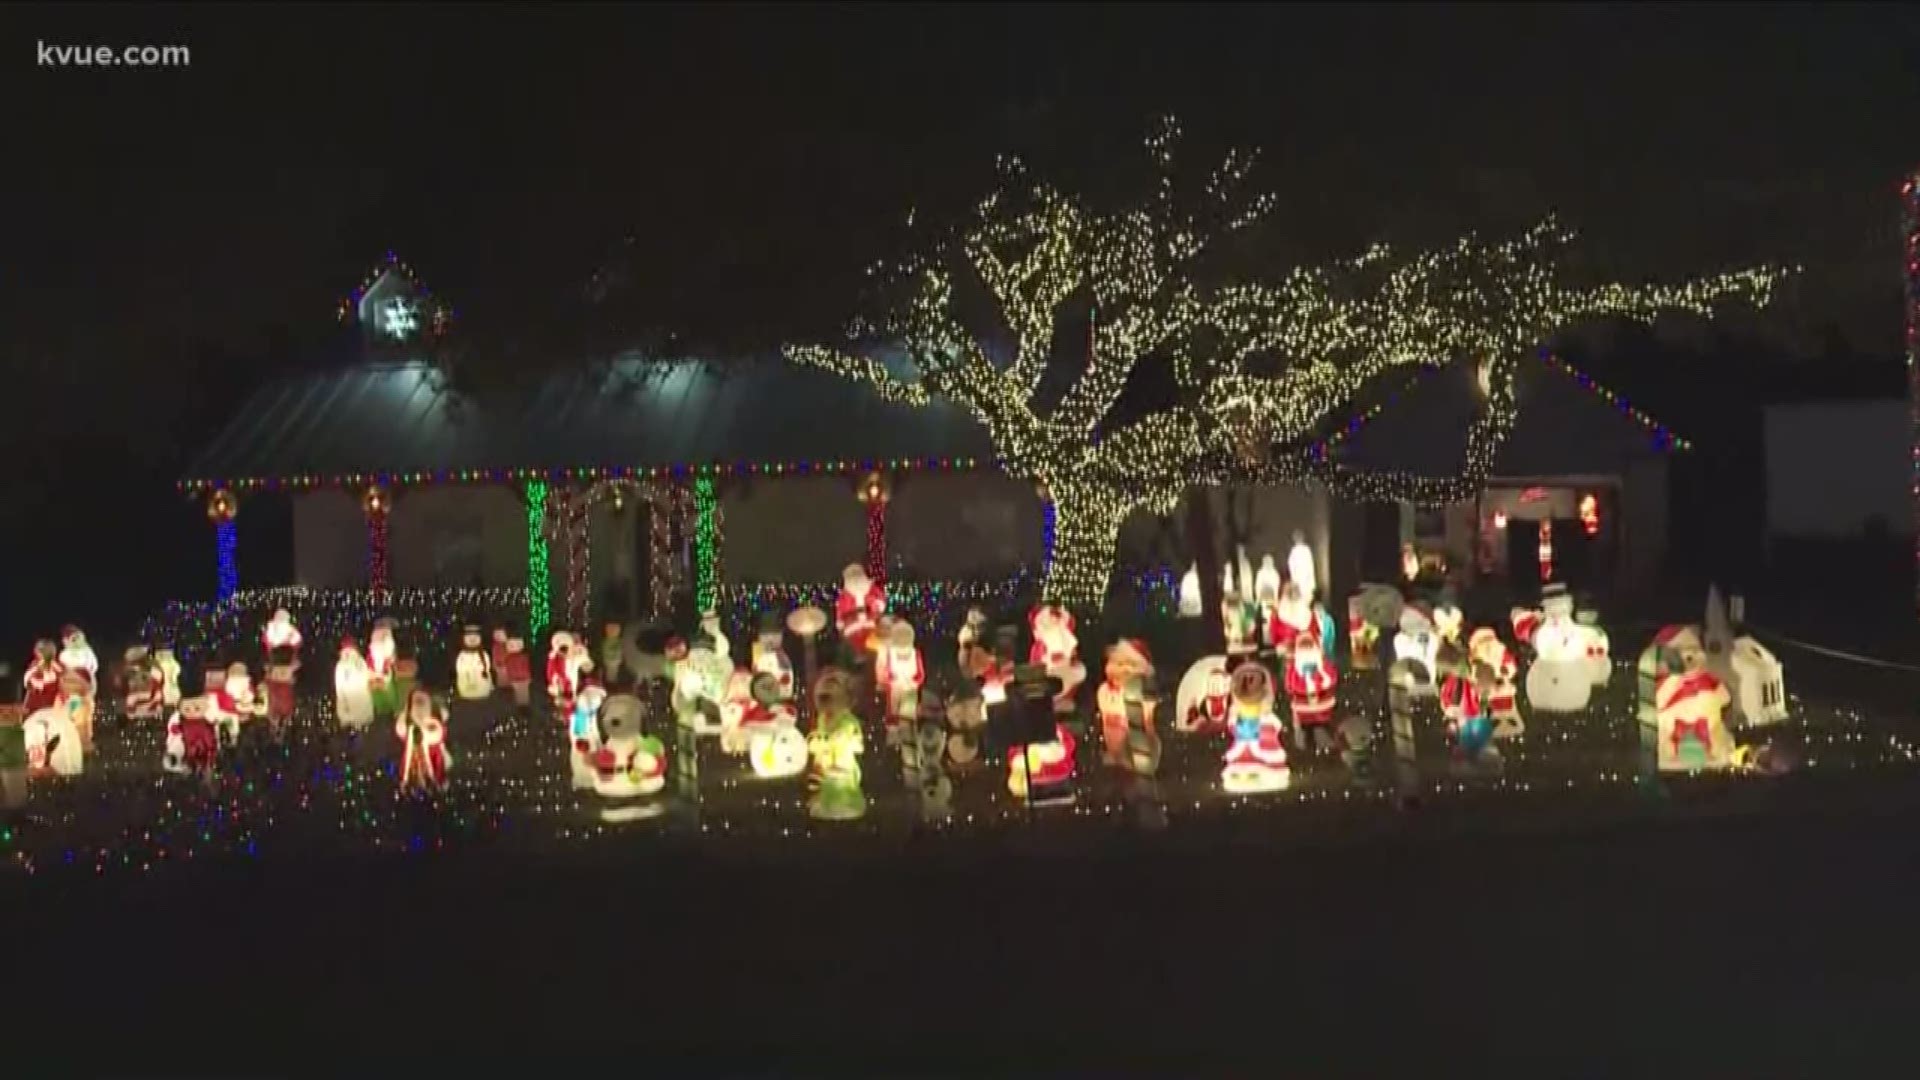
(1576,494)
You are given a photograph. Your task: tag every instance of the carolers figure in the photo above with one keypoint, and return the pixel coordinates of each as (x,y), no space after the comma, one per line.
(422,731)
(145,686)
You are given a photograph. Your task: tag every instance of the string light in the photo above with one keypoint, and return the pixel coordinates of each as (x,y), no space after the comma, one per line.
(1340,327)
(539,609)
(1663,436)
(440,316)
(377,506)
(662,566)
(1910,205)
(579,558)
(222,509)
(875,494)
(585,474)
(706,543)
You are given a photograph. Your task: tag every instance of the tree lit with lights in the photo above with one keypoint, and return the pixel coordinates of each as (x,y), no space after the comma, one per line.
(1260,366)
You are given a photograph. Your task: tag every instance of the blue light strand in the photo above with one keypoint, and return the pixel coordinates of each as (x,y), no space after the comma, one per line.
(226,541)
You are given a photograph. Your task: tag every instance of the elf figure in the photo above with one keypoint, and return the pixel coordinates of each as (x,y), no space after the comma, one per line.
(519,669)
(382,654)
(901,671)
(1311,679)
(352,697)
(857,610)
(43,677)
(422,731)
(472,668)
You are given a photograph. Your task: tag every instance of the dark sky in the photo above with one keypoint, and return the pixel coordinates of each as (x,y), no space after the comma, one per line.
(758,154)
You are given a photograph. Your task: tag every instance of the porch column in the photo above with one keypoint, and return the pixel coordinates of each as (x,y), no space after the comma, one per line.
(378,505)
(222,508)
(579,556)
(875,492)
(706,542)
(539,603)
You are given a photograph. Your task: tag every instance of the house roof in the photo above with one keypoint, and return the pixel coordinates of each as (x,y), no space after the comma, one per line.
(400,422)
(1567,425)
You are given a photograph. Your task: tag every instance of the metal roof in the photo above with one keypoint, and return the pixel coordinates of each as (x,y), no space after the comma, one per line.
(401,418)
(1563,429)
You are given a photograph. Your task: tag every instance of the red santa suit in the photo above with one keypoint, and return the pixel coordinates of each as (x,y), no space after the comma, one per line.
(42,684)
(499,652)
(562,678)
(1525,622)
(1311,695)
(1459,697)
(856,614)
(1487,648)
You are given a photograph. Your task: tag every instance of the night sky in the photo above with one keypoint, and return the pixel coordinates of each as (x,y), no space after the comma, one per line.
(760,155)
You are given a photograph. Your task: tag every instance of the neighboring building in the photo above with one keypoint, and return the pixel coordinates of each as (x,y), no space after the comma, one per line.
(1839,469)
(1581,466)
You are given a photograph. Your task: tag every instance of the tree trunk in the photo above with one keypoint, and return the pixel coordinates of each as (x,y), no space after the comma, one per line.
(1086,544)
(1202,545)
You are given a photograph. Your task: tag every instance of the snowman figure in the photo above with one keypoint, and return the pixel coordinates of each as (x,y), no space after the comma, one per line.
(1561,678)
(472,668)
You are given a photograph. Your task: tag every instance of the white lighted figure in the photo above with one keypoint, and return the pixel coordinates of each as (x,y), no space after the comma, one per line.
(700,682)
(1050,765)
(1693,733)
(716,637)
(1502,697)
(1599,648)
(966,720)
(1226,579)
(1245,570)
(1311,680)
(77,656)
(583,732)
(399,318)
(835,747)
(1300,567)
(1238,623)
(857,610)
(352,696)
(1129,663)
(778,753)
(146,687)
(1266,582)
(472,667)
(1256,762)
(629,766)
(54,745)
(770,659)
(1561,678)
(563,673)
(169,669)
(422,731)
(1190,597)
(1752,675)
(280,633)
(1056,647)
(1409,562)
(753,707)
(1417,642)
(901,672)
(1204,703)
(1292,619)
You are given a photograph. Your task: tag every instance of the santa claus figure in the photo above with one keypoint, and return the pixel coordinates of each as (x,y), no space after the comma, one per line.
(563,673)
(1692,730)
(1129,664)
(1256,762)
(193,747)
(76,656)
(1057,648)
(1526,621)
(281,671)
(583,732)
(1204,705)
(422,731)
(168,669)
(519,671)
(235,702)
(472,668)
(43,677)
(1050,766)
(280,633)
(1300,567)
(382,657)
(770,658)
(1311,679)
(974,656)
(352,696)
(857,610)
(145,686)
(901,672)
(1485,648)
(1290,619)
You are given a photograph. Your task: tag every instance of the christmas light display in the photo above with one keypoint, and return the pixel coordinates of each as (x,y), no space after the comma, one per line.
(539,606)
(222,508)
(1661,436)
(678,474)
(1692,733)
(706,542)
(1340,328)
(575,510)
(1561,678)
(1910,205)
(439,317)
(875,494)
(630,766)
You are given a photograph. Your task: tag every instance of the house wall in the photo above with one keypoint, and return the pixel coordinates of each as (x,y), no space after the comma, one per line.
(1835,466)
(450,535)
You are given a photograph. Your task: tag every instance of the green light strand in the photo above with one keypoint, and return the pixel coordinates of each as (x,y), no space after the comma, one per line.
(539,610)
(706,543)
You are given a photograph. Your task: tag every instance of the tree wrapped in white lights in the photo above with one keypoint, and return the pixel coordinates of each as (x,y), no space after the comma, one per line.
(1260,367)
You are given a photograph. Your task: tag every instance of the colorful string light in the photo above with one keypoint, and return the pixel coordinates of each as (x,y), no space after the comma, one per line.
(1341,327)
(1663,437)
(584,474)
(579,558)
(440,316)
(378,509)
(706,543)
(875,494)
(1910,206)
(539,607)
(226,545)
